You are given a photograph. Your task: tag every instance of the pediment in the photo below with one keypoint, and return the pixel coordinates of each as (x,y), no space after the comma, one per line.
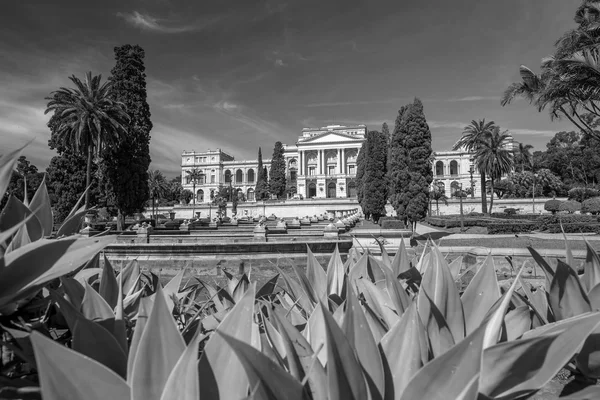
(328,137)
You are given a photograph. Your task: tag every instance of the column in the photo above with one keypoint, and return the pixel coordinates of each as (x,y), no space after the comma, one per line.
(343,161)
(339,161)
(320,162)
(302,163)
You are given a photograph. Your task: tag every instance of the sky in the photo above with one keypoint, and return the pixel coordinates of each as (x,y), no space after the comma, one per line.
(239,74)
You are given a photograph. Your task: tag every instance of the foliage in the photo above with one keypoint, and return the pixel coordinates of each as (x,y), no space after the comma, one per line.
(546,184)
(224,195)
(505,227)
(385,130)
(391,223)
(523,156)
(568,84)
(591,206)
(261,190)
(126,165)
(437,194)
(374,180)
(277,179)
(88,118)
(552,205)
(158,187)
(186,196)
(471,141)
(410,164)
(510,211)
(504,188)
(583,193)
(360,170)
(570,206)
(23,181)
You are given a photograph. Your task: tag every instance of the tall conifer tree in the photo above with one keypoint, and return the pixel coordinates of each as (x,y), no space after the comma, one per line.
(386,131)
(277,178)
(374,186)
(360,172)
(261,190)
(126,165)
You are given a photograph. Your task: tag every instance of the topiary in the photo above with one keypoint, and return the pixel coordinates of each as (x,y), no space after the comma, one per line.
(591,206)
(583,193)
(510,211)
(552,205)
(570,206)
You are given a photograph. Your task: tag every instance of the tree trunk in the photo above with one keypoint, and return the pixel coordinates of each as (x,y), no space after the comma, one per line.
(483,194)
(154,213)
(120,220)
(88,177)
(194,198)
(491,195)
(437,205)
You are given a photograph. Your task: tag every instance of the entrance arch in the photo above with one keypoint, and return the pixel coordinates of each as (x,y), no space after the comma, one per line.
(351,189)
(312,190)
(331,192)
(200,196)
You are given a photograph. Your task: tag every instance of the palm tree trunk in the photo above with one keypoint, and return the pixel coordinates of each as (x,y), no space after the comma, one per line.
(437,206)
(483,194)
(194,198)
(154,213)
(88,177)
(120,220)
(491,195)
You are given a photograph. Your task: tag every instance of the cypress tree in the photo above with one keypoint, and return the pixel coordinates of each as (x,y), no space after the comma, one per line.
(277,178)
(374,186)
(360,172)
(261,190)
(410,164)
(125,171)
(386,131)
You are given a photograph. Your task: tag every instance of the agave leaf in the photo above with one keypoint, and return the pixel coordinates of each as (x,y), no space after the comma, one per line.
(109,287)
(7,165)
(94,307)
(316,334)
(514,369)
(297,292)
(230,379)
(183,382)
(406,350)
(240,288)
(378,300)
(232,282)
(277,343)
(8,233)
(376,323)
(268,288)
(447,376)
(537,301)
(588,358)
(172,288)
(298,348)
(344,373)
(455,267)
(567,297)
(92,340)
(547,268)
(569,254)
(594,296)
(159,349)
(400,263)
(140,325)
(397,293)
(66,374)
(386,261)
(72,223)
(69,312)
(357,331)
(438,331)
(74,291)
(316,276)
(275,382)
(306,285)
(41,206)
(336,276)
(591,267)
(19,240)
(481,294)
(131,275)
(440,287)
(589,393)
(517,322)
(14,212)
(39,262)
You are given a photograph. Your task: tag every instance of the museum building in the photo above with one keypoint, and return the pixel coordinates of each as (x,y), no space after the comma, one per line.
(321,164)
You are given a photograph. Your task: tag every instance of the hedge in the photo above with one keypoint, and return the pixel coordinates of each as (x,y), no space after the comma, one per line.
(591,206)
(496,228)
(552,205)
(516,216)
(574,228)
(392,224)
(546,220)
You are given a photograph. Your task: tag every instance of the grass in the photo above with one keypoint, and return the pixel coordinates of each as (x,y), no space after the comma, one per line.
(518,242)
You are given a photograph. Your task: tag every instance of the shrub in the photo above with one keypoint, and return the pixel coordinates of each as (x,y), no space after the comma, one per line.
(591,206)
(510,211)
(391,223)
(573,228)
(583,193)
(570,206)
(496,228)
(552,205)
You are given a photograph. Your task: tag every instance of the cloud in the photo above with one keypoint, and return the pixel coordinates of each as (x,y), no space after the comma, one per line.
(474,98)
(446,125)
(150,23)
(352,103)
(279,63)
(533,132)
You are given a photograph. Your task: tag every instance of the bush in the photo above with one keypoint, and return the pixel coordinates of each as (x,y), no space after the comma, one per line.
(510,211)
(591,206)
(530,217)
(552,205)
(570,206)
(583,193)
(573,228)
(391,223)
(496,228)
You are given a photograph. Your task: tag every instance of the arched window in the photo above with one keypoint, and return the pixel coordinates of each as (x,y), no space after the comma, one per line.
(351,189)
(439,168)
(250,195)
(239,176)
(442,187)
(454,188)
(331,192)
(227,176)
(250,176)
(312,190)
(200,196)
(453,167)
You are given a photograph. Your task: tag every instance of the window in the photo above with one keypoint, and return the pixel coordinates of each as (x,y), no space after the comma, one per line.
(351,170)
(311,171)
(330,169)
(293,176)
(250,176)
(212,179)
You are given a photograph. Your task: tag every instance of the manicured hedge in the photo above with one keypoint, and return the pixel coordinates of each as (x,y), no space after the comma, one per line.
(547,220)
(591,206)
(574,228)
(392,224)
(496,228)
(516,216)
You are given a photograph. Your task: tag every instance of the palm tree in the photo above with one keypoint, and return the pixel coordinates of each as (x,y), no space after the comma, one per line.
(89,118)
(438,194)
(158,187)
(523,155)
(194,175)
(493,157)
(470,140)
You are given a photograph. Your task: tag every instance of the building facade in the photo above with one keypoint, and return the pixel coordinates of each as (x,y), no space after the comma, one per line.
(321,164)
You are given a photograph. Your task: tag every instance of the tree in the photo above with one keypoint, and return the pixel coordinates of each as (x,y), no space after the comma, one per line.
(194,175)
(374,182)
(523,156)
(225,194)
(437,193)
(470,140)
(126,166)
(277,179)
(261,190)
(185,196)
(360,172)
(158,187)
(88,118)
(386,132)
(494,158)
(24,181)
(411,173)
